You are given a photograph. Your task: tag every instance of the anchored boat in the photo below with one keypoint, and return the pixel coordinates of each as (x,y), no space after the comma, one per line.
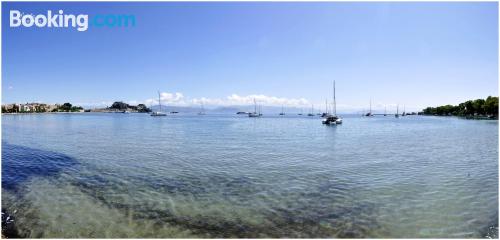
(158,113)
(311,114)
(369,114)
(255,113)
(333,119)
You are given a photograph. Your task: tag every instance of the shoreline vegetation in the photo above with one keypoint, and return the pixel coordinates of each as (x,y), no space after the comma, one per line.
(69,108)
(472,109)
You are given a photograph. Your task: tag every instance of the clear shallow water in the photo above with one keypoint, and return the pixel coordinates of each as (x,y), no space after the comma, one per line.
(131,175)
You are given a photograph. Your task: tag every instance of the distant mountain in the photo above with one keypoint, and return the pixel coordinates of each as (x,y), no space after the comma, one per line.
(235,109)
(175,109)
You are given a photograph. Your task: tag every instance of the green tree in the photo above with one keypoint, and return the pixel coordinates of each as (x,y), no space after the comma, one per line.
(491,105)
(472,107)
(143,108)
(66,107)
(478,105)
(469,108)
(119,106)
(76,108)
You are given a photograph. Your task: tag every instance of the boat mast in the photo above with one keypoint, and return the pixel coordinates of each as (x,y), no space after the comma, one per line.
(159,102)
(326,105)
(334,101)
(254,106)
(370,106)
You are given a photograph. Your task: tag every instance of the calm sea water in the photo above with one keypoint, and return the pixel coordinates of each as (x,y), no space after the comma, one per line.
(132,175)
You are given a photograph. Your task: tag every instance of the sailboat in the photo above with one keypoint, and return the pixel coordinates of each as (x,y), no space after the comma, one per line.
(254,113)
(326,113)
(311,114)
(202,111)
(158,113)
(333,119)
(397,111)
(338,119)
(369,114)
(404,111)
(282,113)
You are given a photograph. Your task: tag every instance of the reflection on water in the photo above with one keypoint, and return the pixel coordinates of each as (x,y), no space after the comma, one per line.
(112,175)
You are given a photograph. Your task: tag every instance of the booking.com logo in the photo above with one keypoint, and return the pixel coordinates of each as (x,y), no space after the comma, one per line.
(60,20)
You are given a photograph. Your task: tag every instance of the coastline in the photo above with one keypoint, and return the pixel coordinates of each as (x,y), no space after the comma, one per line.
(34,113)
(481,117)
(114,112)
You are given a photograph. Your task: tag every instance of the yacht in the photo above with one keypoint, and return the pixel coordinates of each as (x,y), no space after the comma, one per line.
(333,119)
(282,113)
(255,113)
(158,113)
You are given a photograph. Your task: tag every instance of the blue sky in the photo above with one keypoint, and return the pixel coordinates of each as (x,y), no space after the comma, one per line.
(414,54)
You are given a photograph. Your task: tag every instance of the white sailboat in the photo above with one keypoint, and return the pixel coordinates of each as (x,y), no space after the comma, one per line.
(333,119)
(339,119)
(255,113)
(158,113)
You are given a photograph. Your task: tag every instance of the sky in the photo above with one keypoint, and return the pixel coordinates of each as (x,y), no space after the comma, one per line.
(228,53)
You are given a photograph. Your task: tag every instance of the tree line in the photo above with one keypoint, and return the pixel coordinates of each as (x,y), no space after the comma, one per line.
(479,107)
(67,107)
(124,106)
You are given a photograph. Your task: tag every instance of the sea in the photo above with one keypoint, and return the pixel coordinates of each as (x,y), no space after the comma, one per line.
(113,175)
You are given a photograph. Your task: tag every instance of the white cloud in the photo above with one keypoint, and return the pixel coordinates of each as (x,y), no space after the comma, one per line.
(167,98)
(178,99)
(235,100)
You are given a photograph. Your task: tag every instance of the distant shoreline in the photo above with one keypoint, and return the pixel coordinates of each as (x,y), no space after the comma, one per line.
(482,117)
(479,117)
(28,113)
